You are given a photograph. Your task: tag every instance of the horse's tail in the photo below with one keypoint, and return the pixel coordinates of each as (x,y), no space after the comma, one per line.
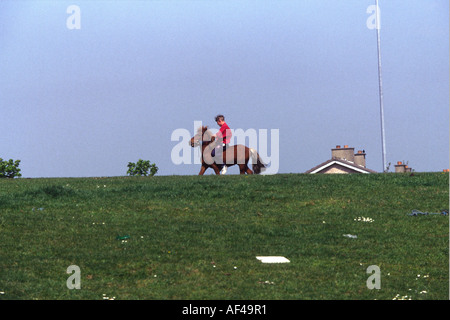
(258,165)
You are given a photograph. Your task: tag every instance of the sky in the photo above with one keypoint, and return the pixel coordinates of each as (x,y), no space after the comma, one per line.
(82,93)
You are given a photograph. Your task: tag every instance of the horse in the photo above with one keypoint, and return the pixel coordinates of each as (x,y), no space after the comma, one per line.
(237,154)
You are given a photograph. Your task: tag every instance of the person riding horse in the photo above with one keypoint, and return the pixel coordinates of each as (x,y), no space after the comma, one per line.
(236,154)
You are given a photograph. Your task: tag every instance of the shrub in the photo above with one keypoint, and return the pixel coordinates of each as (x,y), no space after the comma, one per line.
(9,169)
(142,168)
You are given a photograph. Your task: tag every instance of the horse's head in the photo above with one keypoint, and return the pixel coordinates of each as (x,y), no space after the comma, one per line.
(203,136)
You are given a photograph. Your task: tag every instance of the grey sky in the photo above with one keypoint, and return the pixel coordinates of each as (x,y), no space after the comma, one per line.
(86,102)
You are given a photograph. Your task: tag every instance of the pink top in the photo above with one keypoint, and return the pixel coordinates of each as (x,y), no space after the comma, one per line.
(225,132)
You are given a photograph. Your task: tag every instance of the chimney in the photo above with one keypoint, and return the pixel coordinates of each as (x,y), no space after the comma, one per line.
(360,158)
(344,153)
(400,167)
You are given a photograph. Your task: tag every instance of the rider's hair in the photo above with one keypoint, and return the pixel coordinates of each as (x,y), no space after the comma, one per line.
(220,117)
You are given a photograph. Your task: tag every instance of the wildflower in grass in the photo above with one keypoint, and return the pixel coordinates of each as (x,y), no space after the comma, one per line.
(397,297)
(364,219)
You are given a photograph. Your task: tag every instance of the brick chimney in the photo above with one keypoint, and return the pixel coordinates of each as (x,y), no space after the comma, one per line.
(360,158)
(401,167)
(344,153)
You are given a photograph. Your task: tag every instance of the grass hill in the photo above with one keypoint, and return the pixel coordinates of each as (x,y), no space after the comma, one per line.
(191,237)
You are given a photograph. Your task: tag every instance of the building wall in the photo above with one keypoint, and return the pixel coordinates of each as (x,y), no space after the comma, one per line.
(337,169)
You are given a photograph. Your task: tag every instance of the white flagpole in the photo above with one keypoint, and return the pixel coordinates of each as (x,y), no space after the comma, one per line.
(380,88)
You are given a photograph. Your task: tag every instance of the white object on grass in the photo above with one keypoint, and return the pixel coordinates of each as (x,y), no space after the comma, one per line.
(272,259)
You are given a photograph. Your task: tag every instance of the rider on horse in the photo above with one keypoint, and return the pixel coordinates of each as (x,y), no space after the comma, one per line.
(224,135)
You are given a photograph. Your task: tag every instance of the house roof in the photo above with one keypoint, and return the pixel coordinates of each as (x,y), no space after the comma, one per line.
(340,162)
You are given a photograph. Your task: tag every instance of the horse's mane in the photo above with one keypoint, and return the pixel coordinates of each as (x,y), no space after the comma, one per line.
(207,131)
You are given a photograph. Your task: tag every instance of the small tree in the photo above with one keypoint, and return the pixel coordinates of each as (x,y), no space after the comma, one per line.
(9,169)
(142,168)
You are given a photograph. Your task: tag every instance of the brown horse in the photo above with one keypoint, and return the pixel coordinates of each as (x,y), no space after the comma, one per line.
(238,154)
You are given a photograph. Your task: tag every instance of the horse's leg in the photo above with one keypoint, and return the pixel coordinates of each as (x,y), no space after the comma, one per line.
(244,169)
(215,168)
(202,170)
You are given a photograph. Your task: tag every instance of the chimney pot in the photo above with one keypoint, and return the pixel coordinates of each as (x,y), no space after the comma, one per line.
(338,147)
(360,158)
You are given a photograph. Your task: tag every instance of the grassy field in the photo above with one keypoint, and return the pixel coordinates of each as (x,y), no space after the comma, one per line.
(191,237)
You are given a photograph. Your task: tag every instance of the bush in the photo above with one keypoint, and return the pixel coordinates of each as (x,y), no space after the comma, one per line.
(9,169)
(142,168)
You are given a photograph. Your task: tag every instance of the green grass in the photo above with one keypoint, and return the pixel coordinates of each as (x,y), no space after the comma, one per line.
(188,233)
